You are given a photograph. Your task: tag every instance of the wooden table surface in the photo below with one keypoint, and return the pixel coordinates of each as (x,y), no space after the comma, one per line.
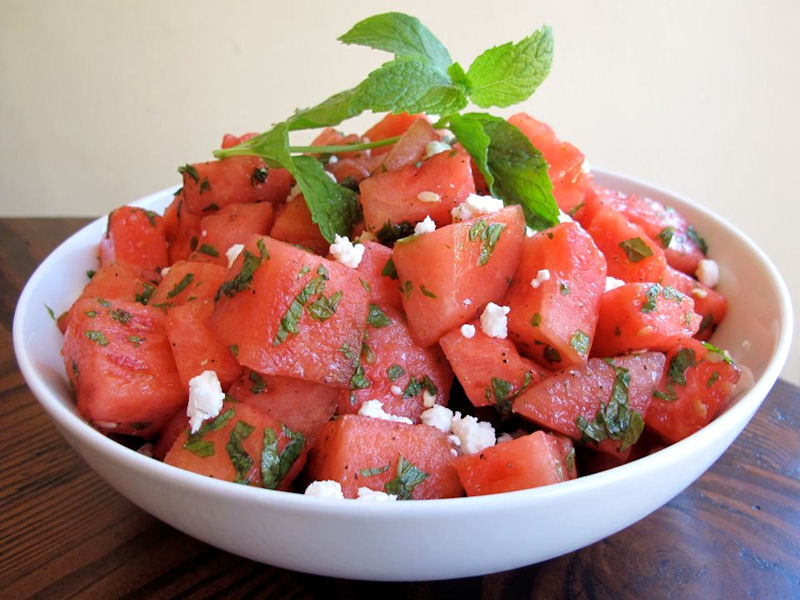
(64,533)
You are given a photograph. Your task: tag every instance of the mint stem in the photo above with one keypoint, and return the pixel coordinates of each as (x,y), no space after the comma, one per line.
(244,149)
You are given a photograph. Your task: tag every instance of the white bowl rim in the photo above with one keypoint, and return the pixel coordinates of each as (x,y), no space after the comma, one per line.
(66,419)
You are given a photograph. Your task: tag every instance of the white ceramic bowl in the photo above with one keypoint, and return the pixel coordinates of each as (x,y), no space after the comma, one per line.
(432,539)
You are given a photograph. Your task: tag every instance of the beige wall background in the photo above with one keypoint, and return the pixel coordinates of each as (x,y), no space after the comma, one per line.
(101,101)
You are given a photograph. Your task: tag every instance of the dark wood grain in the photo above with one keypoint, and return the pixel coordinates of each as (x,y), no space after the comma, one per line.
(64,533)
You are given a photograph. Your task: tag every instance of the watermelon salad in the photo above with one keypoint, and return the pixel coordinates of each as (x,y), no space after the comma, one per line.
(447,304)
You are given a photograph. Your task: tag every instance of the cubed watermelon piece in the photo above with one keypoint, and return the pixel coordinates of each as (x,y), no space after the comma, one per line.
(293,224)
(396,370)
(698,382)
(411,461)
(708,303)
(195,347)
(232,224)
(602,402)
(528,461)
(120,365)
(303,406)
(290,312)
(392,198)
(448,275)
(491,370)
(555,296)
(391,125)
(242,444)
(411,146)
(631,255)
(135,238)
(643,316)
(188,281)
(378,270)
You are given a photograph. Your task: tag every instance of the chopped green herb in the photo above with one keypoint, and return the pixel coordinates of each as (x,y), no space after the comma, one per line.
(651,296)
(395,372)
(367,354)
(97,336)
(91,273)
(636,249)
(708,321)
(373,471)
(259,176)
(676,370)
(391,232)
(75,369)
(194,441)
(242,280)
(426,292)
(580,342)
(193,243)
(321,309)
(262,249)
(712,380)
(412,389)
(389,270)
(242,461)
(324,307)
(665,235)
(614,420)
(139,425)
(407,288)
(210,207)
(428,385)
(365,285)
(208,249)
(190,171)
(670,293)
(145,295)
(407,478)
(574,210)
(377,318)
(536,319)
(563,288)
(697,239)
(91,313)
(50,312)
(135,339)
(234,348)
(359,379)
(181,285)
(258,383)
(503,392)
(104,303)
(123,316)
(151,216)
(488,236)
(719,352)
(668,396)
(275,465)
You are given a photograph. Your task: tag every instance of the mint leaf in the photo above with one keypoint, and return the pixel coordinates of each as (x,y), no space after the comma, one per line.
(400,34)
(272,146)
(332,111)
(409,85)
(333,207)
(518,169)
(469,131)
(510,73)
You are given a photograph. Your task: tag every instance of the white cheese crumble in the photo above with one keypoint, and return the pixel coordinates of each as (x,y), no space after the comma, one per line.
(438,416)
(708,272)
(699,292)
(613,283)
(428,399)
(494,322)
(232,252)
(374,409)
(429,197)
(333,159)
(564,217)
(164,271)
(505,437)
(435,147)
(474,435)
(476,205)
(427,225)
(541,276)
(529,231)
(396,390)
(205,398)
(370,495)
(345,252)
(327,488)
(294,192)
(468,331)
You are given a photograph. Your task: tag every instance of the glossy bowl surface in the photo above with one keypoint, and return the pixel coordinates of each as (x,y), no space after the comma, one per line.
(423,540)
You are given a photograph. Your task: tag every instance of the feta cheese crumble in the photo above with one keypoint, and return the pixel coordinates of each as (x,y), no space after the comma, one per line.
(427,225)
(345,252)
(613,283)
(370,495)
(474,435)
(541,276)
(429,197)
(164,271)
(428,399)
(435,147)
(494,322)
(232,252)
(468,331)
(476,205)
(374,409)
(327,488)
(437,416)
(564,217)
(708,272)
(529,231)
(205,398)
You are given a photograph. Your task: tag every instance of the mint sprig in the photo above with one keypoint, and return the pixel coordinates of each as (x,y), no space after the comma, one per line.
(422,78)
